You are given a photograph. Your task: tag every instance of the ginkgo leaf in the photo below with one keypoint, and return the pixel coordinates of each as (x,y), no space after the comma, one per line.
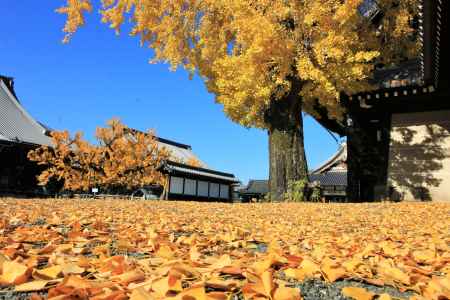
(357,293)
(141,294)
(309,267)
(195,293)
(286,293)
(267,281)
(35,285)
(14,273)
(165,252)
(167,284)
(333,274)
(424,256)
(48,273)
(384,297)
(128,277)
(394,273)
(219,283)
(223,261)
(72,268)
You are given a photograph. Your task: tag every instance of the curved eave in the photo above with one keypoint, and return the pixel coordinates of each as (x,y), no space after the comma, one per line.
(338,157)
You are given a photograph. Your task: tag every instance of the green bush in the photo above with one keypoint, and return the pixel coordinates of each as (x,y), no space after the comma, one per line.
(297,191)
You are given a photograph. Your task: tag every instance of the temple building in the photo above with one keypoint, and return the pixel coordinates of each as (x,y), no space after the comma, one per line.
(398,135)
(19,133)
(332,176)
(189,177)
(196,180)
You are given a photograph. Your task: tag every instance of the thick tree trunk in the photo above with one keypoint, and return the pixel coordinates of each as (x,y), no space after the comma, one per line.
(367,158)
(287,161)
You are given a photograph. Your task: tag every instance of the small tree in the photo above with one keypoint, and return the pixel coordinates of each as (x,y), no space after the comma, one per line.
(123,158)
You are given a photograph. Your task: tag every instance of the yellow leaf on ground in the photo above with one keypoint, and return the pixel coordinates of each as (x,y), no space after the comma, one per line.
(394,273)
(72,268)
(333,274)
(286,293)
(223,261)
(165,252)
(424,256)
(31,286)
(193,293)
(309,267)
(130,276)
(219,283)
(167,284)
(357,293)
(267,281)
(384,297)
(48,273)
(2,260)
(14,273)
(141,294)
(76,282)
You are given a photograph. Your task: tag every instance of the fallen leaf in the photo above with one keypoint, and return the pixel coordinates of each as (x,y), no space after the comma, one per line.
(14,273)
(48,273)
(286,293)
(128,277)
(357,293)
(31,286)
(72,268)
(333,274)
(141,294)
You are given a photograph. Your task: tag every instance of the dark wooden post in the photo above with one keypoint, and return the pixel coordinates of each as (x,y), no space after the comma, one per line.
(368,140)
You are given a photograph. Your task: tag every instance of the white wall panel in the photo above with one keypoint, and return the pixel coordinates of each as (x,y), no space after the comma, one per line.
(176,185)
(202,188)
(214,190)
(224,191)
(189,187)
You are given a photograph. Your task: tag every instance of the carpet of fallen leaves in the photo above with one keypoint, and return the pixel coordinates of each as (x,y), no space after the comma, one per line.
(113,249)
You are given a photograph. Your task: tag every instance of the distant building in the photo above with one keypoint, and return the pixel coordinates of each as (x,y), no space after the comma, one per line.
(331,175)
(256,189)
(19,133)
(194,182)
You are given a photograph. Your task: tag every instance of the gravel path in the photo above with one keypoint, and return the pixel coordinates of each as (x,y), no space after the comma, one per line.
(318,290)
(312,289)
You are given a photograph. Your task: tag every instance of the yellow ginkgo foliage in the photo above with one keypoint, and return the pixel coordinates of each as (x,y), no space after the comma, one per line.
(251,52)
(122,158)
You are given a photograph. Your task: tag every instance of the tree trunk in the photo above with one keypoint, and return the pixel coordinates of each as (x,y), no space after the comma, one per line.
(287,161)
(367,158)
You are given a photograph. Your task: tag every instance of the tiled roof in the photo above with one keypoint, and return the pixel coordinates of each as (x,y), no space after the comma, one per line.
(16,125)
(256,187)
(337,159)
(185,169)
(182,153)
(179,152)
(330,178)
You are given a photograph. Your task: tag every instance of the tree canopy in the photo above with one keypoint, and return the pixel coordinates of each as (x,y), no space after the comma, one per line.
(122,158)
(250,52)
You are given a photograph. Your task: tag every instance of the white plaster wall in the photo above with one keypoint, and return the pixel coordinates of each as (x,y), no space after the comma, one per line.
(419,155)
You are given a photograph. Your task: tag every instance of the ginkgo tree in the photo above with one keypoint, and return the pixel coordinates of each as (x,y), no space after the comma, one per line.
(266,61)
(122,158)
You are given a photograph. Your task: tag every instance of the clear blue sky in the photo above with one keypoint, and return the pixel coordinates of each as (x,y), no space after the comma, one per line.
(100,75)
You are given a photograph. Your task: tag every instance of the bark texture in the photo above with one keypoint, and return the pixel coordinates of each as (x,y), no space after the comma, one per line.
(287,161)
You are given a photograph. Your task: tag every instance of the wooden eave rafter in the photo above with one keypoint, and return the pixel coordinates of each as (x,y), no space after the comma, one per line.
(431,26)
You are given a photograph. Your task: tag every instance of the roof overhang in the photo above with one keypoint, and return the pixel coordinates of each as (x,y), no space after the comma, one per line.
(178,168)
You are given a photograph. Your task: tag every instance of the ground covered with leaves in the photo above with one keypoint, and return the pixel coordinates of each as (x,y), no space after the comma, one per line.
(120,249)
